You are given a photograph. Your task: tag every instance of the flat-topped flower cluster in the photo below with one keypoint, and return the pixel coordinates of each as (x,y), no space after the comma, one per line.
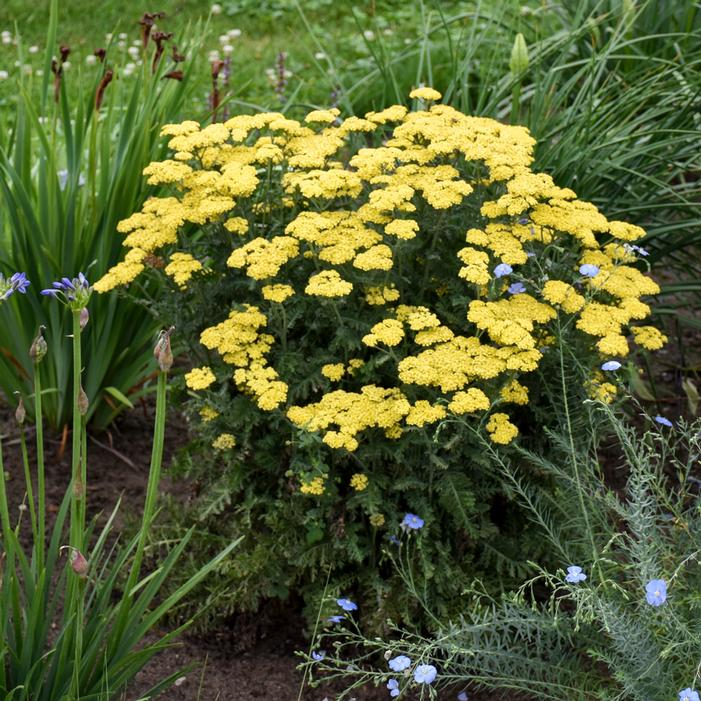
(424,234)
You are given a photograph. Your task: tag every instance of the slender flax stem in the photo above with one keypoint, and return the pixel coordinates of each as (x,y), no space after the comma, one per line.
(4,510)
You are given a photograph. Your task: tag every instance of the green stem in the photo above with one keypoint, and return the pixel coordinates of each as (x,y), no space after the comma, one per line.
(154,478)
(41,486)
(78,470)
(4,510)
(30,488)
(77,512)
(516,102)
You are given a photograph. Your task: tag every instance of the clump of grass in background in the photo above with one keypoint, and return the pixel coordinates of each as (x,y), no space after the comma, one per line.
(67,165)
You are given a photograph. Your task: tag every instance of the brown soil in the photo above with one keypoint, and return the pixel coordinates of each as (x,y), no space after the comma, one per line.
(118,467)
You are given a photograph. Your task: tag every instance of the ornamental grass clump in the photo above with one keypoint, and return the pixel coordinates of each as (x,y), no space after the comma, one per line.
(365,292)
(76,606)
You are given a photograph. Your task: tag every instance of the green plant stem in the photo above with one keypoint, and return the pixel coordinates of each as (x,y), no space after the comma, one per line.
(41,486)
(30,488)
(154,478)
(4,511)
(77,529)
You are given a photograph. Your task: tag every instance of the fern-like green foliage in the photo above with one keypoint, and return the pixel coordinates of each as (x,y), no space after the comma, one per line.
(595,639)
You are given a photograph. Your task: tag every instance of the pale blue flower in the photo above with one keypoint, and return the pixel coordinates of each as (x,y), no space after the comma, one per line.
(336,619)
(662,421)
(656,592)
(413,522)
(688,694)
(503,269)
(318,656)
(611,366)
(462,696)
(393,686)
(399,663)
(575,574)
(516,288)
(74,293)
(589,270)
(347,604)
(16,283)
(425,674)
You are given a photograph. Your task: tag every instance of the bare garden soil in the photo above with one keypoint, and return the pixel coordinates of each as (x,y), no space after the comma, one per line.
(254,660)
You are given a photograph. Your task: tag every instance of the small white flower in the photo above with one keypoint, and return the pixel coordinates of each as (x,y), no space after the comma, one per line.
(33,49)
(129,68)
(216,8)
(319,55)
(123,35)
(369,34)
(27,69)
(6,38)
(228,49)
(134,52)
(66,65)
(4,75)
(108,36)
(213,56)
(234,33)
(91,59)
(122,44)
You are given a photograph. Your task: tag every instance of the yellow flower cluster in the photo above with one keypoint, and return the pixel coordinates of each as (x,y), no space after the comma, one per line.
(361,226)
(359,481)
(199,378)
(315,486)
(225,441)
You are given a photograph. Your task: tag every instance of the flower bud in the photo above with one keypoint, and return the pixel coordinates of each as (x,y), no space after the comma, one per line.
(519,56)
(78,563)
(38,349)
(84,317)
(83,402)
(20,412)
(162,351)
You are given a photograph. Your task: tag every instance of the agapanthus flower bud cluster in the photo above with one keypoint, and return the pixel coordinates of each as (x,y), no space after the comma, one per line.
(16,283)
(74,293)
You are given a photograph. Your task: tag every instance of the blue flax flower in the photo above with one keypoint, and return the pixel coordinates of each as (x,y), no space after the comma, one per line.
(16,283)
(394,540)
(575,574)
(336,619)
(399,663)
(516,288)
(656,592)
(611,366)
(393,686)
(74,293)
(662,421)
(688,694)
(347,604)
(425,674)
(503,269)
(413,522)
(462,696)
(589,270)
(318,656)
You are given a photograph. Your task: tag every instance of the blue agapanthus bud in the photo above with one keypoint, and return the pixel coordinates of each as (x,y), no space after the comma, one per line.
(75,293)
(38,349)
(16,283)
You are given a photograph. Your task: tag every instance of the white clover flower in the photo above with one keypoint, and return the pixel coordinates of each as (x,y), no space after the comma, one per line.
(33,49)
(134,52)
(319,55)
(4,75)
(216,8)
(91,59)
(129,69)
(66,65)
(228,49)
(123,35)
(223,39)
(369,34)
(234,33)
(213,56)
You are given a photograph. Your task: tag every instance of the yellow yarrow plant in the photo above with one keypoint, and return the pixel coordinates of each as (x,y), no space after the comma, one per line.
(371,244)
